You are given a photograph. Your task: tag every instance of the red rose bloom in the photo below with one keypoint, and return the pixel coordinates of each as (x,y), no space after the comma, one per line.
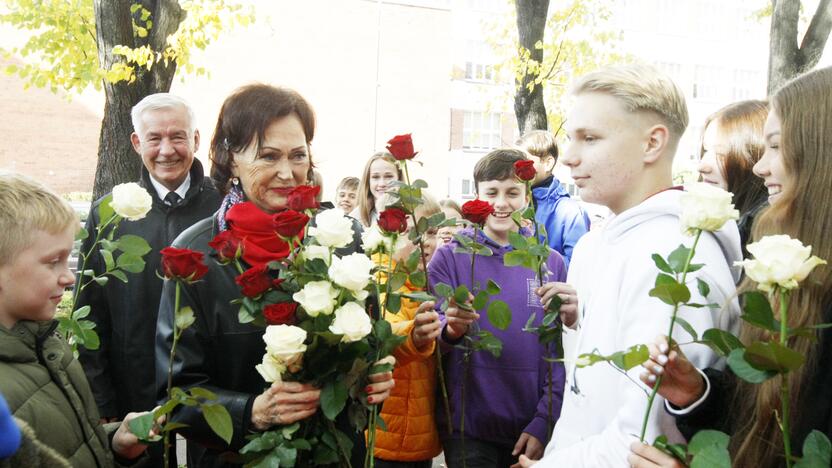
(183,264)
(477,211)
(254,281)
(524,169)
(227,246)
(290,223)
(401,147)
(280,313)
(303,197)
(393,220)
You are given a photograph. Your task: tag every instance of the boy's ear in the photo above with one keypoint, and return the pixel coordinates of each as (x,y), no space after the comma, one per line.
(658,138)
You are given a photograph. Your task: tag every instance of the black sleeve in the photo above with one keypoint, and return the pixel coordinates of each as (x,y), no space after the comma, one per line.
(713,412)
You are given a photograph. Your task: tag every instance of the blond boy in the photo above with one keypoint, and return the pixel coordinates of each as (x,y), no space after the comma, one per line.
(624,128)
(42,382)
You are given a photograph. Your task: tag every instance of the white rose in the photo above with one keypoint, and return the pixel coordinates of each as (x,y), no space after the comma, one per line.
(351,272)
(352,321)
(373,240)
(317,297)
(332,229)
(779,261)
(284,343)
(316,251)
(706,207)
(271,369)
(131,201)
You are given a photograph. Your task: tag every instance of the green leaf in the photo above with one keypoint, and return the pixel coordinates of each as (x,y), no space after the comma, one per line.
(220,421)
(687,327)
(412,261)
(490,343)
(199,392)
(102,280)
(772,356)
(81,234)
(89,338)
(436,219)
(499,314)
(119,274)
(721,341)
(661,264)
(703,287)
(461,294)
(482,250)
(677,451)
(515,258)
(419,296)
(141,426)
(757,311)
(712,457)
(109,263)
(130,263)
(397,280)
(81,312)
(480,300)
(333,399)
(676,260)
(817,451)
(669,291)
(744,370)
(517,240)
(393,303)
(443,290)
(632,357)
(707,438)
(418,279)
(184,318)
(133,244)
(105,211)
(492,288)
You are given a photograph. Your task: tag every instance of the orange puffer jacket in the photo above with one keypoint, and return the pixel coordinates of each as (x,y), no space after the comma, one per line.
(409,411)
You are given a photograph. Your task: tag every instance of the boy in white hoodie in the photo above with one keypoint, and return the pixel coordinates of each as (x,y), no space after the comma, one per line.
(624,128)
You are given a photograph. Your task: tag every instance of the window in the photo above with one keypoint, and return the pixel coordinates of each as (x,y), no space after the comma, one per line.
(706,82)
(467,188)
(481,130)
(479,61)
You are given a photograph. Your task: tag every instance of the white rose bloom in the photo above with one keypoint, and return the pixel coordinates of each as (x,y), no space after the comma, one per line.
(779,261)
(351,272)
(131,201)
(317,297)
(706,207)
(284,343)
(332,229)
(316,251)
(373,240)
(351,321)
(271,369)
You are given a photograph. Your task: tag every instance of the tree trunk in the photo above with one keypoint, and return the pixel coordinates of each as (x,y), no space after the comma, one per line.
(528,105)
(786,59)
(117,161)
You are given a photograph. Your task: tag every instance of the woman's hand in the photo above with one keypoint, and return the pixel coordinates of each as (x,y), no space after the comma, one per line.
(646,456)
(426,326)
(380,383)
(529,446)
(682,384)
(568,296)
(125,444)
(284,403)
(459,319)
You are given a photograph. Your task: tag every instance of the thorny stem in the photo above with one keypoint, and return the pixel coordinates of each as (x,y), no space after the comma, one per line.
(784,380)
(655,389)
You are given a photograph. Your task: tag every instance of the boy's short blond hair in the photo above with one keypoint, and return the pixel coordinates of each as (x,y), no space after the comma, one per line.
(28,207)
(641,88)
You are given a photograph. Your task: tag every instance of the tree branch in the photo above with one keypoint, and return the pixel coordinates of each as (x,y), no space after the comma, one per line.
(816,35)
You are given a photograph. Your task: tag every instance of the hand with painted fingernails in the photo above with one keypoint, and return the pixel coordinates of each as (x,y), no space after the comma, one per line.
(682,384)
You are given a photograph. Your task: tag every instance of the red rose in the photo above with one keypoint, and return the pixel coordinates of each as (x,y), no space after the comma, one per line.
(290,223)
(280,313)
(227,246)
(524,169)
(393,220)
(477,211)
(401,147)
(183,264)
(255,281)
(303,197)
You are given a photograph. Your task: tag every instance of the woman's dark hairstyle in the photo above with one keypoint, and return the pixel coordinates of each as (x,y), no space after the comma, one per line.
(243,120)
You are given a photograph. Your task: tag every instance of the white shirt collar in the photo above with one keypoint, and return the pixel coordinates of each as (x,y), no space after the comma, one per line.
(162,191)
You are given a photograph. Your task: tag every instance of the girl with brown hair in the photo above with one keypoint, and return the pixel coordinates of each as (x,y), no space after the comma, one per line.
(380,175)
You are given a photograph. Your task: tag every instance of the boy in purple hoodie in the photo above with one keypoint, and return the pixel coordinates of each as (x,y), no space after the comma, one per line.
(506,398)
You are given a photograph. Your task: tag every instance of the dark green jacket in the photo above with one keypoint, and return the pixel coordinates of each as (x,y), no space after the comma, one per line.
(45,386)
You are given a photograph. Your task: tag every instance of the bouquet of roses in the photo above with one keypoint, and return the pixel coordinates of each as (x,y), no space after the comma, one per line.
(317,329)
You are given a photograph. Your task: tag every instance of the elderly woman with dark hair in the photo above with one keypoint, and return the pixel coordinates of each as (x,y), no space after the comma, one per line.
(260,152)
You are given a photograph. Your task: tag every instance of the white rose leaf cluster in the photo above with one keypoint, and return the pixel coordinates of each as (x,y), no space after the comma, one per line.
(332,229)
(317,297)
(131,201)
(779,261)
(284,350)
(352,322)
(706,207)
